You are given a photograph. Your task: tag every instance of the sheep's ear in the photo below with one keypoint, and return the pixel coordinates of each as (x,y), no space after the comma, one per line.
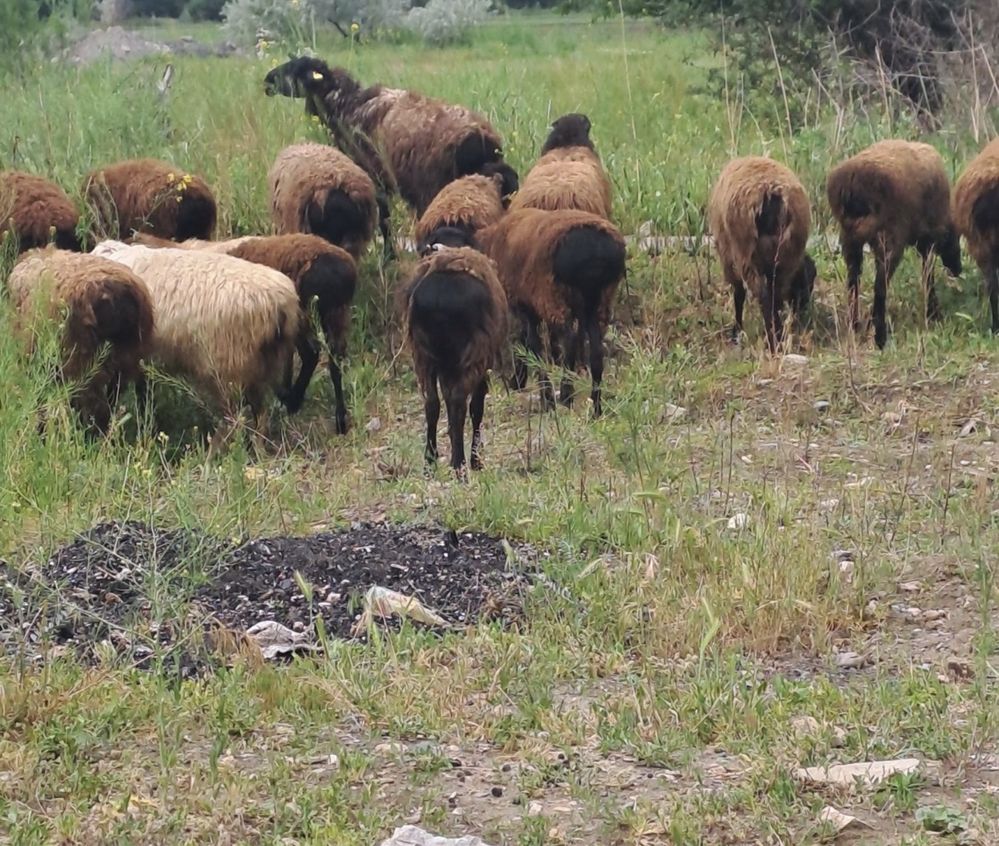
(316,76)
(498,181)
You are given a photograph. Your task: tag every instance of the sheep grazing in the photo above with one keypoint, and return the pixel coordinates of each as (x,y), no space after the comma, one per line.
(146,195)
(319,190)
(426,143)
(892,195)
(569,174)
(455,313)
(36,211)
(103,303)
(976,214)
(322,273)
(470,204)
(759,216)
(221,322)
(561,268)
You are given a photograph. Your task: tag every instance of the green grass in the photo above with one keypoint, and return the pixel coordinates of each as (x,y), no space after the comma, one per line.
(667,669)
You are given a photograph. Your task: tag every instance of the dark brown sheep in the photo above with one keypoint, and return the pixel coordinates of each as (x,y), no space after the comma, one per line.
(470,203)
(401,138)
(36,211)
(103,303)
(892,195)
(569,174)
(976,214)
(455,313)
(146,195)
(759,216)
(561,268)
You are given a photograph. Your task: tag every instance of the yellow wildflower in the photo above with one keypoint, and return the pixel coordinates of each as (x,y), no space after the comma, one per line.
(355,27)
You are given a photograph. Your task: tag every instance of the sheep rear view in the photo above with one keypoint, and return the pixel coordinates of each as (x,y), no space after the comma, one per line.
(104,304)
(560,268)
(470,203)
(147,195)
(455,313)
(759,216)
(892,195)
(319,190)
(33,210)
(976,214)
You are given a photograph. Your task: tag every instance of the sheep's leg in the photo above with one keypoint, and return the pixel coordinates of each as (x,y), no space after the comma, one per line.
(336,377)
(335,330)
(308,351)
(738,299)
(596,339)
(853,255)
(384,215)
(457,409)
(532,340)
(887,261)
(928,253)
(992,276)
(770,304)
(432,410)
(141,397)
(570,336)
(477,408)
(519,380)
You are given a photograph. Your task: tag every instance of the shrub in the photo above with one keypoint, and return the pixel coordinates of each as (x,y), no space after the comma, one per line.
(294,21)
(443,22)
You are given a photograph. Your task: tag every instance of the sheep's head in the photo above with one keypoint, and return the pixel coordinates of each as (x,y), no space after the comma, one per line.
(506,178)
(299,78)
(447,236)
(802,284)
(572,130)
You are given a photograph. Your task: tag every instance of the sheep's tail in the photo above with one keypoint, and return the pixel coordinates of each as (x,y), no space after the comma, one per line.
(774,226)
(985,210)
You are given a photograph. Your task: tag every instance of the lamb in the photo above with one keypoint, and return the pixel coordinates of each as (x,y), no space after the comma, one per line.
(561,268)
(976,214)
(146,195)
(321,272)
(455,313)
(317,189)
(891,195)
(402,138)
(103,303)
(470,203)
(759,216)
(569,174)
(222,322)
(35,211)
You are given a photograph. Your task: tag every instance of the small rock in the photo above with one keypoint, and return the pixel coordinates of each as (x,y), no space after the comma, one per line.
(534,809)
(738,521)
(332,597)
(794,360)
(851,660)
(821,405)
(805,726)
(496,792)
(841,555)
(910,587)
(960,668)
(828,504)
(410,835)
(674,413)
(838,737)
(867,773)
(374,425)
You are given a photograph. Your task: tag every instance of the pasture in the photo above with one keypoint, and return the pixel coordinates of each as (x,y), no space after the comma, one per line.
(747,566)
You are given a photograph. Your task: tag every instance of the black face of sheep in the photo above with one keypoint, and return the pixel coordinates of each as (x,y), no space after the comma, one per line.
(447,236)
(340,221)
(302,76)
(510,179)
(474,153)
(802,286)
(572,130)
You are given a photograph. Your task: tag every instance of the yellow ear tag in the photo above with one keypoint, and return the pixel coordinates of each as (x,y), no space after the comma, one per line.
(316,75)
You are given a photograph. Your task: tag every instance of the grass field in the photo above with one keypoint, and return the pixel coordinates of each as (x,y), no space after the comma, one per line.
(671,673)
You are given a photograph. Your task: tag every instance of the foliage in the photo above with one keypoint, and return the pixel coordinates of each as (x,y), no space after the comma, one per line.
(295,21)
(25,22)
(204,10)
(443,22)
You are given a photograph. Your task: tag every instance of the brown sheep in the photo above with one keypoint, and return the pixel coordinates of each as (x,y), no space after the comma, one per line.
(470,203)
(103,303)
(976,214)
(892,195)
(32,209)
(759,216)
(400,137)
(569,174)
(317,189)
(322,273)
(455,313)
(561,268)
(146,195)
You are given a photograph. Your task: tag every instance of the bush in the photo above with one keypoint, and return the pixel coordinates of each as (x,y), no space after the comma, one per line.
(204,10)
(443,22)
(293,21)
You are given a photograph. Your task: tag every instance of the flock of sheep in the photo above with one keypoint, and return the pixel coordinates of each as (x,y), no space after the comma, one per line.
(229,316)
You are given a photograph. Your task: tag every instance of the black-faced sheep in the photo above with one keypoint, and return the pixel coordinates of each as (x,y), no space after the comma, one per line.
(323,274)
(759,216)
(561,268)
(569,174)
(36,211)
(103,303)
(976,214)
(455,313)
(892,195)
(221,322)
(400,137)
(470,203)
(317,189)
(146,195)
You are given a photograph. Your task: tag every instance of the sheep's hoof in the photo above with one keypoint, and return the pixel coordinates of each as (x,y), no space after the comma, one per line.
(476,463)
(461,473)
(735,336)
(547,400)
(341,424)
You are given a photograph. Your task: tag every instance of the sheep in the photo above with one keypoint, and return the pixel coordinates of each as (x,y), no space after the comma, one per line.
(317,189)
(470,203)
(891,195)
(222,322)
(976,215)
(569,174)
(103,303)
(759,216)
(32,209)
(455,313)
(561,268)
(321,272)
(426,143)
(146,195)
